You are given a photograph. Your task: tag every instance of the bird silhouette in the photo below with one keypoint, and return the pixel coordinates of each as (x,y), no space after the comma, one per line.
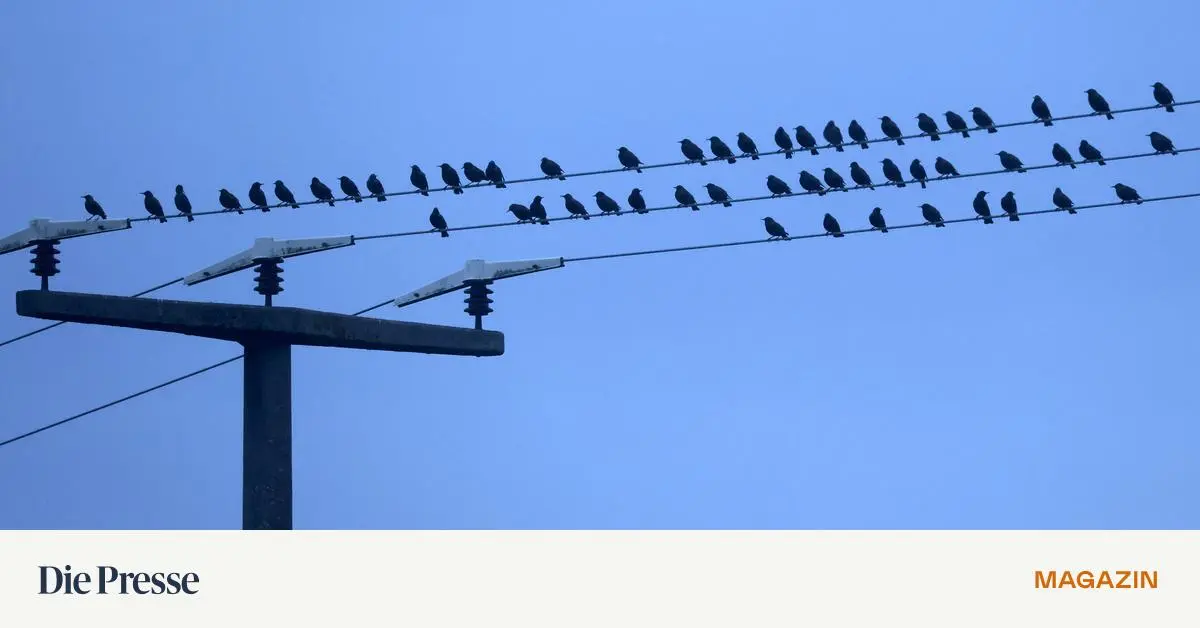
(628,159)
(775,230)
(806,139)
(720,150)
(834,180)
(718,194)
(439,222)
(1163,96)
(538,211)
(747,146)
(1090,153)
(928,126)
(418,180)
(811,183)
(473,173)
(877,221)
(980,205)
(1041,111)
(858,134)
(153,207)
(1098,104)
(320,191)
(637,202)
(606,204)
(891,129)
(375,187)
(956,123)
(258,197)
(552,169)
(685,198)
(691,152)
(1062,155)
(494,174)
(1010,161)
(184,205)
(777,186)
(576,209)
(918,172)
(860,176)
(281,192)
(932,215)
(833,135)
(1009,204)
(93,208)
(1162,143)
(520,212)
(982,119)
(1062,201)
(944,168)
(832,227)
(892,172)
(229,201)
(1127,194)
(450,178)
(349,189)
(784,142)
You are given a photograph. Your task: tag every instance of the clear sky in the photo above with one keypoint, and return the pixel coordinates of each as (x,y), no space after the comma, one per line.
(1037,374)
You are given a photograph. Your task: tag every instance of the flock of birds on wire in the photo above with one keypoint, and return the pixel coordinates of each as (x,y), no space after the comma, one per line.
(535,212)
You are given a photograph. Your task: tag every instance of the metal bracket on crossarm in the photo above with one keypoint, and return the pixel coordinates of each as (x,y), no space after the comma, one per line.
(266,255)
(476,275)
(43,234)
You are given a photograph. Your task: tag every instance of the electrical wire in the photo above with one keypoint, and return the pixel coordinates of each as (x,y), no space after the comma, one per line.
(53,325)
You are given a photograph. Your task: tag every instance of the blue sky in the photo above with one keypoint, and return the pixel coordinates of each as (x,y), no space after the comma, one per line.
(1020,375)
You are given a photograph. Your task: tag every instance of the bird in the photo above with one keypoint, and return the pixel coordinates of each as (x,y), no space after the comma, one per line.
(1099,105)
(929,126)
(184,205)
(628,159)
(777,186)
(1062,155)
(892,172)
(229,201)
(320,191)
(439,222)
(375,187)
(520,212)
(891,129)
(92,206)
(982,119)
(945,168)
(418,180)
(833,135)
(258,198)
(637,202)
(718,194)
(153,206)
(980,205)
(932,215)
(494,174)
(1163,96)
(450,178)
(1041,111)
(806,139)
(349,189)
(606,204)
(692,152)
(576,209)
(281,192)
(1062,201)
(860,176)
(834,180)
(1127,194)
(474,174)
(1010,161)
(877,221)
(685,198)
(775,230)
(538,211)
(551,169)
(1009,204)
(811,183)
(747,146)
(1090,153)
(784,142)
(831,225)
(720,150)
(858,134)
(956,123)
(918,172)
(1162,143)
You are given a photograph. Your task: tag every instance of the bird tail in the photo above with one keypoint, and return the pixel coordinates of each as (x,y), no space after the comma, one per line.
(813,151)
(1071,210)
(1014,218)
(1047,123)
(239,211)
(445,234)
(899,142)
(562,178)
(787,154)
(1109,116)
(424,193)
(639,170)
(732,160)
(987,220)
(934,137)
(331,203)
(991,129)
(1174,152)
(501,185)
(162,219)
(696,208)
(838,148)
(901,184)
(544,221)
(1020,170)
(1170,109)
(940,224)
(295,206)
(883,230)
(1101,161)
(872,187)
(457,190)
(190,218)
(922,185)
(703,162)
(753,157)
(379,198)
(864,145)
(820,192)
(1071,164)
(839,234)
(265,209)
(357,199)
(727,204)
(1139,201)
(586,217)
(965,134)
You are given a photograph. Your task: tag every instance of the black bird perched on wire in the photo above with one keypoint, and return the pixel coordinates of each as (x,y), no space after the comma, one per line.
(858,134)
(777,186)
(718,194)
(474,174)
(637,202)
(552,169)
(747,146)
(229,201)
(877,221)
(932,215)
(833,135)
(1010,161)
(685,198)
(375,187)
(811,183)
(1162,143)
(258,197)
(834,180)
(494,174)
(1099,105)
(720,150)
(891,129)
(860,176)
(538,211)
(775,230)
(806,139)
(183,204)
(980,205)
(320,191)
(1062,201)
(1127,194)
(281,192)
(1090,153)
(1009,204)
(956,123)
(575,208)
(1041,111)
(93,208)
(982,119)
(628,159)
(691,152)
(1062,155)
(832,227)
(520,212)
(784,142)
(450,178)
(439,222)
(153,206)
(418,180)
(928,126)
(945,168)
(918,172)
(606,204)
(1163,96)
(349,189)
(892,172)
